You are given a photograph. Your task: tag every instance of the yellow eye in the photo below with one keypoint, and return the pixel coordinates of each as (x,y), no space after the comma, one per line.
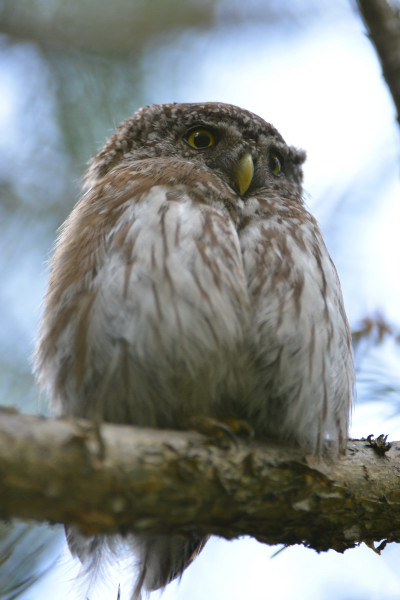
(275,164)
(200,139)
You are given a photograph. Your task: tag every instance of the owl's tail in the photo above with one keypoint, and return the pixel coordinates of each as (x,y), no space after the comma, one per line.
(162,558)
(159,558)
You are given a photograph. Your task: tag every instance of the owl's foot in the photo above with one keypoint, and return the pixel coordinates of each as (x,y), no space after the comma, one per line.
(229,427)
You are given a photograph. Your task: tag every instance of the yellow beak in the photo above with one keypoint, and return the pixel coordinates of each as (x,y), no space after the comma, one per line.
(244,171)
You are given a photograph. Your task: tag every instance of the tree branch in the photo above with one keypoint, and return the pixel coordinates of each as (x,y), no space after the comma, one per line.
(168,481)
(383,27)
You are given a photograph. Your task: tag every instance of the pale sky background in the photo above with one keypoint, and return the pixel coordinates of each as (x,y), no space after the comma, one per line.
(321,86)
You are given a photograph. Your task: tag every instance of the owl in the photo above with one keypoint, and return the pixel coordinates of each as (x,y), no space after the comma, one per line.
(191,281)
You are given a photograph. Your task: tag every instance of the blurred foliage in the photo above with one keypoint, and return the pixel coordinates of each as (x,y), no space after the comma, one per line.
(376,344)
(376,329)
(99,25)
(22,549)
(123,26)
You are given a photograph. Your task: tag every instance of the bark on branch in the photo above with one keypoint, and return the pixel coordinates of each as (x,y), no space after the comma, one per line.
(180,481)
(383,27)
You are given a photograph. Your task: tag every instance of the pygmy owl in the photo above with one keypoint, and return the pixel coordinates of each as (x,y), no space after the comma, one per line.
(190,280)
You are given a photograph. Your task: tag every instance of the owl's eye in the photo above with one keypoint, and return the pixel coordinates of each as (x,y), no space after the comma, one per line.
(275,164)
(200,139)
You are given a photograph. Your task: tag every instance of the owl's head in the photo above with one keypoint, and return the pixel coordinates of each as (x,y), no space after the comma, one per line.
(246,151)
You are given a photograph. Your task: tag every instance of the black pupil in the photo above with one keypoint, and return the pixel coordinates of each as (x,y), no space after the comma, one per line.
(201,140)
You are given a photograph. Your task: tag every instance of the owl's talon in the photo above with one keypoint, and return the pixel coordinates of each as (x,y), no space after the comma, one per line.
(240,427)
(101,448)
(216,428)
(221,428)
